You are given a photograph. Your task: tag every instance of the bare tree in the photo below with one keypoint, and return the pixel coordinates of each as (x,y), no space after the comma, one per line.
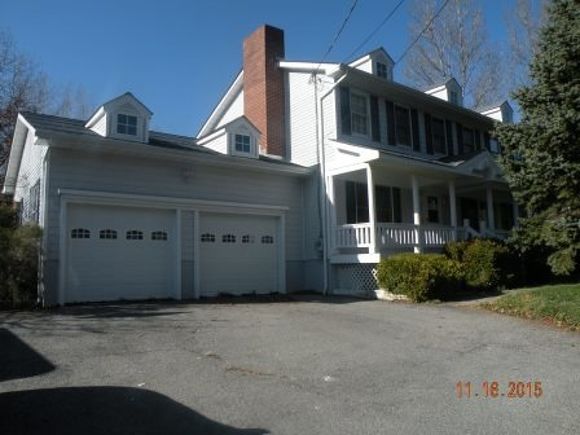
(456,45)
(25,87)
(523,24)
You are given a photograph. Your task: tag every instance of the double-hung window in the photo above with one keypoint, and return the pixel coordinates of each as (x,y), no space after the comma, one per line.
(382,70)
(402,126)
(359,114)
(468,140)
(438,135)
(242,143)
(127,124)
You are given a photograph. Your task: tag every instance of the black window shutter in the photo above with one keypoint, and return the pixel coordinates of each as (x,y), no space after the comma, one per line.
(459,128)
(390,122)
(449,134)
(486,140)
(397,204)
(375,126)
(350,202)
(477,139)
(415,127)
(428,135)
(345,110)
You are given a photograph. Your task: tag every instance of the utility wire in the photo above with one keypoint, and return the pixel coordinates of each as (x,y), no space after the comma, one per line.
(422,31)
(375,31)
(353,6)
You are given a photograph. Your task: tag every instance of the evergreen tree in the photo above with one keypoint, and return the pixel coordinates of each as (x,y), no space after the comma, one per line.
(541,156)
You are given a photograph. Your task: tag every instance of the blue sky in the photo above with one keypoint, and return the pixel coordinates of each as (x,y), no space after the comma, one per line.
(178,56)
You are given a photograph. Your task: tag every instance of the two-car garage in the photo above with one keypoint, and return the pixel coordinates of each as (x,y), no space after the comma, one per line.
(126,252)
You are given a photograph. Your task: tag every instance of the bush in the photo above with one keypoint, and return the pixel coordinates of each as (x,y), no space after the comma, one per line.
(19,253)
(420,277)
(486,264)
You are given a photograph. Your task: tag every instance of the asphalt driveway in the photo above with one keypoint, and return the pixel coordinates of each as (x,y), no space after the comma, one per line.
(310,366)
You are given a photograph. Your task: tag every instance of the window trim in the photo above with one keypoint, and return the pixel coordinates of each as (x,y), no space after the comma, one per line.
(379,65)
(229,238)
(207,238)
(242,151)
(134,235)
(80,233)
(408,109)
(366,97)
(159,235)
(103,234)
(267,239)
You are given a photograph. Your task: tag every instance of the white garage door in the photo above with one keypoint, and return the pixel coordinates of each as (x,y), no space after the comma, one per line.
(120,253)
(238,254)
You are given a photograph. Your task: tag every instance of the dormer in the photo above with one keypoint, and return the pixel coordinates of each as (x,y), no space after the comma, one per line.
(124,117)
(502,112)
(377,62)
(237,138)
(450,91)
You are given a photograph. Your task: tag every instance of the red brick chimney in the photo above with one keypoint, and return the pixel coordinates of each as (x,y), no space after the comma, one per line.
(264,98)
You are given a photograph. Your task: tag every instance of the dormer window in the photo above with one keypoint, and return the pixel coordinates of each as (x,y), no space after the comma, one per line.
(382,70)
(127,124)
(243,143)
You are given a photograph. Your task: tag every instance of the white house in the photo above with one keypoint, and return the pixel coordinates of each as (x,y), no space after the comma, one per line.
(272,195)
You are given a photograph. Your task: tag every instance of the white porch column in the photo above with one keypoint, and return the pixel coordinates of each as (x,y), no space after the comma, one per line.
(453,208)
(333,221)
(489,206)
(372,210)
(416,213)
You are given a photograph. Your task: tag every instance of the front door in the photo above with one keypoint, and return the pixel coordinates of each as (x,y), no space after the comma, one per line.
(469,211)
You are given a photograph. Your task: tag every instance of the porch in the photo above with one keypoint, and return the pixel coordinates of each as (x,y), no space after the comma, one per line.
(414,210)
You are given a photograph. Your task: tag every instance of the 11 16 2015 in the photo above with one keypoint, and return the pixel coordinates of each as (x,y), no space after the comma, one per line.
(495,389)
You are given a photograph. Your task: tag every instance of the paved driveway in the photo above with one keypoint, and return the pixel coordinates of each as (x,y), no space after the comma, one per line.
(312,366)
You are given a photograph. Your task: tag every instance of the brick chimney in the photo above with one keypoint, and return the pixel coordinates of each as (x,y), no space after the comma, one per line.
(264,93)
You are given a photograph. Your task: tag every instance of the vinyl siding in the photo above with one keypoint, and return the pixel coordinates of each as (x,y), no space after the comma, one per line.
(100,126)
(219,143)
(235,110)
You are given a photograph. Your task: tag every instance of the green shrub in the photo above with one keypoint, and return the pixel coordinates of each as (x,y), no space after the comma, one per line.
(420,277)
(19,254)
(486,264)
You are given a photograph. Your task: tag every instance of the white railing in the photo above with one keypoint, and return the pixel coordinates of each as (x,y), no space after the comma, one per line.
(353,236)
(395,235)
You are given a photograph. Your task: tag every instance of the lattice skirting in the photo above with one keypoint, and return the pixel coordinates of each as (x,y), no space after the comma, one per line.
(355,279)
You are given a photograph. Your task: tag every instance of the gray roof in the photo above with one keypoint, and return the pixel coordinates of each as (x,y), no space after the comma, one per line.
(157,139)
(461,157)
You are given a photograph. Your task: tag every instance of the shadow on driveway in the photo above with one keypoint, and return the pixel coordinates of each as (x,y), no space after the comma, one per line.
(104,410)
(19,360)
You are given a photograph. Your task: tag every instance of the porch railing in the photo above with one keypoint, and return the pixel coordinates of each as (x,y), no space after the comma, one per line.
(395,235)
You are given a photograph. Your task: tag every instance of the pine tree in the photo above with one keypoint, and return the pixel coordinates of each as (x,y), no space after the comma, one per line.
(541,156)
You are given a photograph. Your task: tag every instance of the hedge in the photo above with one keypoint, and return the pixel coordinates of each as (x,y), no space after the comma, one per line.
(420,277)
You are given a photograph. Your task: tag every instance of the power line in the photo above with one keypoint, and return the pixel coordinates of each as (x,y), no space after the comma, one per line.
(375,31)
(422,31)
(353,6)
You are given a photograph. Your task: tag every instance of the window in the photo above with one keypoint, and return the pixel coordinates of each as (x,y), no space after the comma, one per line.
(267,240)
(433,209)
(208,238)
(159,235)
(454,98)
(402,126)
(382,70)
(438,134)
(242,143)
(80,233)
(228,238)
(127,124)
(108,234)
(247,238)
(134,235)
(468,140)
(359,114)
(388,203)
(357,206)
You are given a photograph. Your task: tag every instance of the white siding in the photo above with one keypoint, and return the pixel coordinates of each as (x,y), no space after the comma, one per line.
(219,143)
(30,172)
(100,126)
(235,110)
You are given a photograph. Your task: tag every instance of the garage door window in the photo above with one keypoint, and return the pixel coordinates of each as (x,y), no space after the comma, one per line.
(80,233)
(158,235)
(228,238)
(208,238)
(267,240)
(108,234)
(134,235)
(247,238)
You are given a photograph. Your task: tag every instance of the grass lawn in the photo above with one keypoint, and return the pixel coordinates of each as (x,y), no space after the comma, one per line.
(559,304)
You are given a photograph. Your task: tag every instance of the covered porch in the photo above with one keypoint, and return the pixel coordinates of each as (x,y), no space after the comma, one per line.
(385,206)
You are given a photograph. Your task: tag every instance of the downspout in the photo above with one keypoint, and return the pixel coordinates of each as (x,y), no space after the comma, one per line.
(322,157)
